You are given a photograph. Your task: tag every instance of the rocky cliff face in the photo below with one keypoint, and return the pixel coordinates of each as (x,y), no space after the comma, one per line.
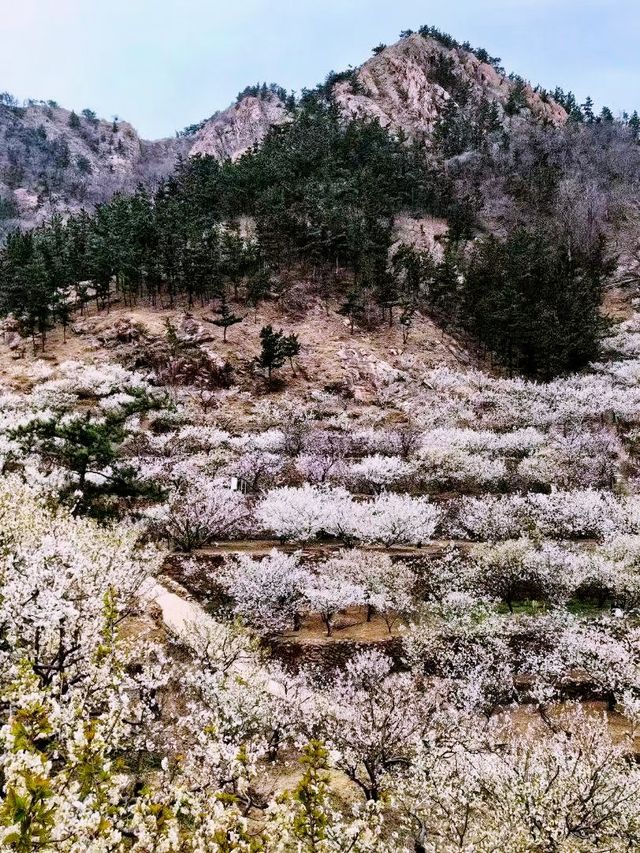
(236,130)
(52,161)
(407,87)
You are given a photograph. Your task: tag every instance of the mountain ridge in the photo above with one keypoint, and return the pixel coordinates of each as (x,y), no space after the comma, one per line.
(53,160)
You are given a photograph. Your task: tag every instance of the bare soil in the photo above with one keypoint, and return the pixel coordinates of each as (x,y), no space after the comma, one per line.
(350,624)
(617,304)
(330,353)
(525,717)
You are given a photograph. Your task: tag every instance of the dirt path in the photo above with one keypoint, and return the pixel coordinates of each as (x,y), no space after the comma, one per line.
(187,619)
(259,547)
(178,614)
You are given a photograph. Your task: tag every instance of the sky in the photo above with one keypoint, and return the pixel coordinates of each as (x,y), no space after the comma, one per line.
(164,64)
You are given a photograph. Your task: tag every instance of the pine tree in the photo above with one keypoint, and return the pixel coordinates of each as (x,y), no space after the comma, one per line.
(606,115)
(258,287)
(272,355)
(353,306)
(74,120)
(311,800)
(587,111)
(233,259)
(406,318)
(290,347)
(90,116)
(572,107)
(452,131)
(226,318)
(517,99)
(442,287)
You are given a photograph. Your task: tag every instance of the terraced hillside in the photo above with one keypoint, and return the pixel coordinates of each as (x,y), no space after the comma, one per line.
(424,567)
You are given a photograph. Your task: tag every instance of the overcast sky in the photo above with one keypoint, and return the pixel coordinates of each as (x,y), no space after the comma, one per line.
(163,64)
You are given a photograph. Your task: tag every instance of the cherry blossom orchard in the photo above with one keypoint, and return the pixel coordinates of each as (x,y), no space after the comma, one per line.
(303,621)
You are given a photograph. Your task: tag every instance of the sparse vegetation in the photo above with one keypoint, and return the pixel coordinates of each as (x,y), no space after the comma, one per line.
(263,90)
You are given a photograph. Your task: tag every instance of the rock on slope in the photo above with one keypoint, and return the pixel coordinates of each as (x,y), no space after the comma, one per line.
(237,129)
(53,161)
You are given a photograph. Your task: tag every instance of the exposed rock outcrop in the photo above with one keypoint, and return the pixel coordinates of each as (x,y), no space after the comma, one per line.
(52,160)
(399,87)
(236,130)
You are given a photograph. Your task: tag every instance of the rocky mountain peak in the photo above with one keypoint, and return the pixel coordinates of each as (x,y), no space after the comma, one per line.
(53,160)
(232,132)
(406,86)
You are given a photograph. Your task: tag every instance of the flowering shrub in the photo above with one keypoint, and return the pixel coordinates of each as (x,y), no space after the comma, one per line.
(387,587)
(109,742)
(201,514)
(299,513)
(267,594)
(564,515)
(57,575)
(398,519)
(378,472)
(303,513)
(517,569)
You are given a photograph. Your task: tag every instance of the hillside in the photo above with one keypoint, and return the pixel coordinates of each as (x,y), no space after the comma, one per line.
(56,161)
(53,161)
(232,132)
(428,569)
(320,471)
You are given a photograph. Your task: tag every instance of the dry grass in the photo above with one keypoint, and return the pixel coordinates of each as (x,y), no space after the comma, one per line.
(526,718)
(617,304)
(350,624)
(330,353)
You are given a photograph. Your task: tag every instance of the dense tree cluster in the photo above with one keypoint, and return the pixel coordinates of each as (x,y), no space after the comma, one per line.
(531,300)
(468,543)
(560,206)
(97,751)
(448,41)
(462,728)
(321,194)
